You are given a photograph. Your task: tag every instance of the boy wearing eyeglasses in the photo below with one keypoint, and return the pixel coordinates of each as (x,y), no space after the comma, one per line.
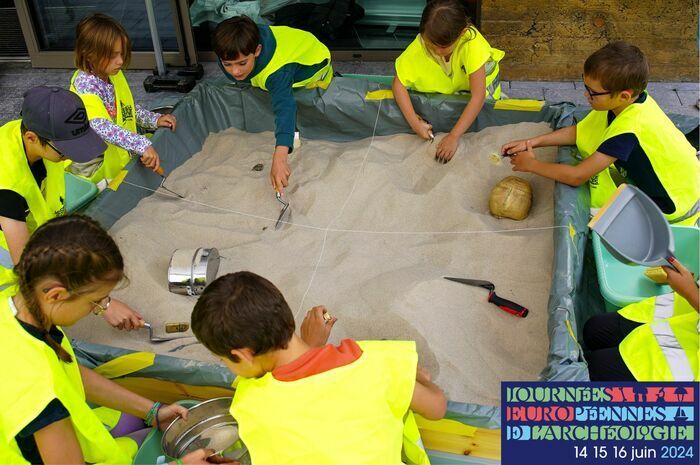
(54,127)
(625,137)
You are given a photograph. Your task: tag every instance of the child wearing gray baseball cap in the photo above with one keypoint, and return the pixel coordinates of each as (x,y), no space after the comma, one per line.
(54,127)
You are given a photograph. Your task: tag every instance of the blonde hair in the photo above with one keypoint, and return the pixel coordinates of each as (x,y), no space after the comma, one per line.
(95,38)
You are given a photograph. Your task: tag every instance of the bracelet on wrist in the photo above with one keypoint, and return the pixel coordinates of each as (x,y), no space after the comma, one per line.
(152,414)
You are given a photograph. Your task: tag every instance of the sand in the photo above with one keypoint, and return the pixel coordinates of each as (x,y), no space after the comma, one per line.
(376,225)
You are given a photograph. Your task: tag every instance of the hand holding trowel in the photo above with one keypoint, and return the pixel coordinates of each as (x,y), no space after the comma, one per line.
(504,304)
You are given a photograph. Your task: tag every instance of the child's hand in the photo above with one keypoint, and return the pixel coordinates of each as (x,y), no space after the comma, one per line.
(514,147)
(316,328)
(150,158)
(423,129)
(522,159)
(682,281)
(280,172)
(168,413)
(121,316)
(167,121)
(447,148)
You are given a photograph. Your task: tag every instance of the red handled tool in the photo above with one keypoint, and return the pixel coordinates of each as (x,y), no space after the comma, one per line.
(503,304)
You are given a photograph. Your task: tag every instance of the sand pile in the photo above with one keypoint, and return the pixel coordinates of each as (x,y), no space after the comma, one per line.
(377,224)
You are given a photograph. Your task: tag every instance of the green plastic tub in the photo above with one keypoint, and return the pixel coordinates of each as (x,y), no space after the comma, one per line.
(79,192)
(622,284)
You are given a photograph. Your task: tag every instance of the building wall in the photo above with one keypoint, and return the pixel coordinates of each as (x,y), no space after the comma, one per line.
(550,40)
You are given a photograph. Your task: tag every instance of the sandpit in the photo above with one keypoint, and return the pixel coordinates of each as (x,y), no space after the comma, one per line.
(376,224)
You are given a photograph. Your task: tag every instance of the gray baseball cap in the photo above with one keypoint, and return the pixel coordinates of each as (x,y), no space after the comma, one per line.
(59,115)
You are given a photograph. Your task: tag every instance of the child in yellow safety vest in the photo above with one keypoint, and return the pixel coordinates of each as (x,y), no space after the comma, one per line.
(626,136)
(102,51)
(275,59)
(66,272)
(54,127)
(449,56)
(652,340)
(301,401)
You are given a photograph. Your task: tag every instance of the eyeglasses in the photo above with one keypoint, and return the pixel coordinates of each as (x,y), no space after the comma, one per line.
(98,308)
(55,149)
(594,94)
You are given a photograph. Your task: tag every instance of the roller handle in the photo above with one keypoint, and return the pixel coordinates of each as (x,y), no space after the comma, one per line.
(508,306)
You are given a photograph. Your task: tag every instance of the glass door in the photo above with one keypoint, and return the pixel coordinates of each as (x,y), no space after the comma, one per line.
(49,29)
(382,29)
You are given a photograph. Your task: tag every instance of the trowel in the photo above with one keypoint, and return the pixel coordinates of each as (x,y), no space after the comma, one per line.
(158,339)
(285,213)
(161,172)
(633,228)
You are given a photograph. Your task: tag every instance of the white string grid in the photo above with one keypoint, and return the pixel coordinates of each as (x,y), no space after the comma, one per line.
(328,228)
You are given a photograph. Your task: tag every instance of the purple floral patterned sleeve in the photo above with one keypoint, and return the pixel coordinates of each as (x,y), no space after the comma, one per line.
(109,131)
(117,135)
(146,118)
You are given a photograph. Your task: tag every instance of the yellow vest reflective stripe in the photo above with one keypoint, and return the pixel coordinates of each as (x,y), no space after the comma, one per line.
(666,349)
(350,414)
(115,158)
(295,46)
(672,157)
(38,376)
(417,70)
(656,308)
(44,202)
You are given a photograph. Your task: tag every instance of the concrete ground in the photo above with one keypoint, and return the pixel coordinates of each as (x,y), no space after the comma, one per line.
(16,78)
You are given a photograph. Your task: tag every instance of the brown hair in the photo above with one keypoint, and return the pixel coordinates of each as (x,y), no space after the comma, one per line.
(443,21)
(618,66)
(95,38)
(234,37)
(74,250)
(242,310)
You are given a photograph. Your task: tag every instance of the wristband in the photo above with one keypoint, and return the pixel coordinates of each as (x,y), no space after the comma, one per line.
(152,413)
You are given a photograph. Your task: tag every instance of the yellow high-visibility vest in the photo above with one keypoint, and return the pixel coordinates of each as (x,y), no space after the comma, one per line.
(37,377)
(350,414)
(115,158)
(662,349)
(418,70)
(44,202)
(672,157)
(295,46)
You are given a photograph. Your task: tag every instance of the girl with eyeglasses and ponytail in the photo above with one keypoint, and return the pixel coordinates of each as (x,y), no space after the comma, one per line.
(66,272)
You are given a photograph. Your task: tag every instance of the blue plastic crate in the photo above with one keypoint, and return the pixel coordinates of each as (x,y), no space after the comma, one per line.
(622,284)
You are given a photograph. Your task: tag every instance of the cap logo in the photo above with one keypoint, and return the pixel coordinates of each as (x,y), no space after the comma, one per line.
(79,116)
(80,130)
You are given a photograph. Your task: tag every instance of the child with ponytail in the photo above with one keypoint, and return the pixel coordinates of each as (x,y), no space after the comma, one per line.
(448,56)
(66,272)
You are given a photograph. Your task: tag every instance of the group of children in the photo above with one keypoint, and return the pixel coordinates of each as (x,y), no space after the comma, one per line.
(299,400)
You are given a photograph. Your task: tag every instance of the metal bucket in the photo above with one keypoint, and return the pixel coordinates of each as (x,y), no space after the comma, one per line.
(209,425)
(190,270)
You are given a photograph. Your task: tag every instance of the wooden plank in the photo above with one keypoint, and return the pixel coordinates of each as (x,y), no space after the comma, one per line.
(542,42)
